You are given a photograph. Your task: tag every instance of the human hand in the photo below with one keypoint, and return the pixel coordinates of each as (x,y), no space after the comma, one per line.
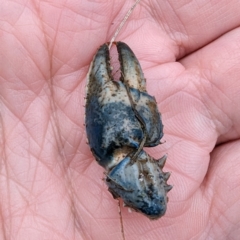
(51,186)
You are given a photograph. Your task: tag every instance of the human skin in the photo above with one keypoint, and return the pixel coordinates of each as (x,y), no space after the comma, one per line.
(50,185)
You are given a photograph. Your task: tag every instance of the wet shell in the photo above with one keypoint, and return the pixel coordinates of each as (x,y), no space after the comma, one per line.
(121,119)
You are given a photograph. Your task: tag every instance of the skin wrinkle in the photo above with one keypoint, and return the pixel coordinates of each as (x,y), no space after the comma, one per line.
(29,54)
(32,136)
(59,108)
(209,114)
(15,180)
(171,32)
(77,217)
(214,118)
(126,36)
(178,18)
(35,175)
(220,209)
(97,182)
(8,228)
(3,233)
(81,221)
(184,132)
(20,118)
(177,171)
(3,156)
(2,141)
(179,135)
(200,144)
(72,203)
(24,6)
(24,212)
(66,142)
(86,166)
(208,96)
(219,197)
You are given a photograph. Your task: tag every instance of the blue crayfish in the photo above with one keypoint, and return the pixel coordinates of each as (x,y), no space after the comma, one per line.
(121,119)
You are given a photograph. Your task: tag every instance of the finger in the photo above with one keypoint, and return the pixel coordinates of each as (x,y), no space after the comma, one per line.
(218,84)
(194,24)
(221,188)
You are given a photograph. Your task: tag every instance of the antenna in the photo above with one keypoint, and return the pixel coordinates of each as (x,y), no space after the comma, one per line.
(109,46)
(121,220)
(123,23)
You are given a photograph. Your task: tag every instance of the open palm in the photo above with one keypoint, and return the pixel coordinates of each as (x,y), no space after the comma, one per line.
(51,187)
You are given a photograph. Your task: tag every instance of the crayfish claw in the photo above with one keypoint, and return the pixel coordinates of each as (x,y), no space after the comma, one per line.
(131,71)
(121,119)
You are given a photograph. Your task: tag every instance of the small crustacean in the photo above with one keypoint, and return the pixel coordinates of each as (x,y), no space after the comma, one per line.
(121,119)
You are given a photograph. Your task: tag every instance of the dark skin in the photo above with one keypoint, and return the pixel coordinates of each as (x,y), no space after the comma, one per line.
(50,184)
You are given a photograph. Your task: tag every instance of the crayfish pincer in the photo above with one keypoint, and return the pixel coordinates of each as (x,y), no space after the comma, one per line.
(121,119)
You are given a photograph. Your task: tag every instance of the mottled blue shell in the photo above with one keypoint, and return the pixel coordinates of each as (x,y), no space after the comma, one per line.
(121,119)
